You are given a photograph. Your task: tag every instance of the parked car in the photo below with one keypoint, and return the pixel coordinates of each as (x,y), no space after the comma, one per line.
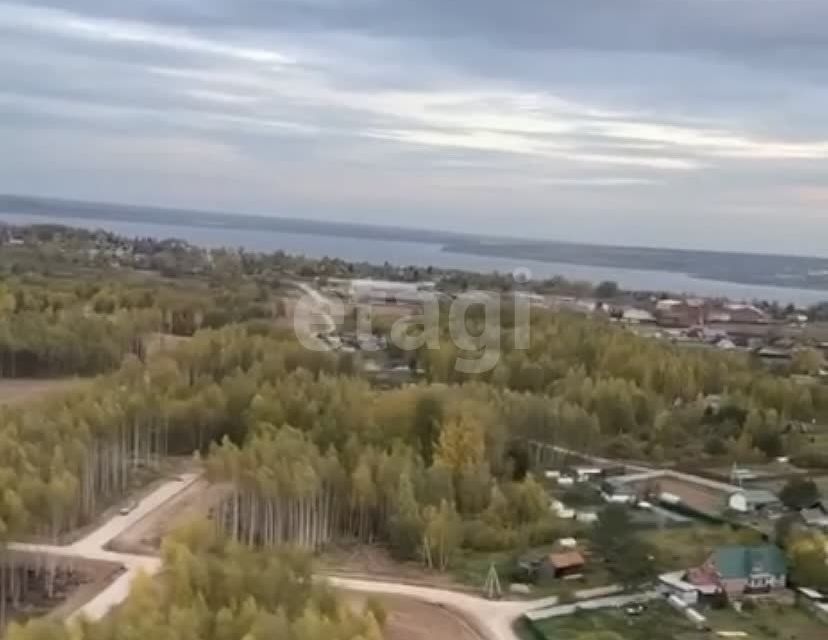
(128,508)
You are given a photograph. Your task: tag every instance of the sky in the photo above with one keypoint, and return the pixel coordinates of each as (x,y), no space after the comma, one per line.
(679,123)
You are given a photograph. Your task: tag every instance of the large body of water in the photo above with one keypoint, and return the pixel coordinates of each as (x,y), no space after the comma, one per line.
(425,254)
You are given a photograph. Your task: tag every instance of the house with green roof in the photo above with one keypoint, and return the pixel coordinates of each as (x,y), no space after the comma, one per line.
(742,570)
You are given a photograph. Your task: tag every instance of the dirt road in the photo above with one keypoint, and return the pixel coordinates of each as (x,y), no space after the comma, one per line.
(91,547)
(319,305)
(467,617)
(192,503)
(410,619)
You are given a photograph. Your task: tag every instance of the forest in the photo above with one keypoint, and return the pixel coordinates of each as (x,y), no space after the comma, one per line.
(315,453)
(85,321)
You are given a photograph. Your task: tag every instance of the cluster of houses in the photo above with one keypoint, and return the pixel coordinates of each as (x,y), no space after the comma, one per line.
(732,571)
(371,291)
(703,323)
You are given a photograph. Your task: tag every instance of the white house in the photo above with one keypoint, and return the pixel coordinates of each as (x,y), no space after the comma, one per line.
(675,585)
(586,517)
(748,500)
(637,316)
(586,473)
(561,510)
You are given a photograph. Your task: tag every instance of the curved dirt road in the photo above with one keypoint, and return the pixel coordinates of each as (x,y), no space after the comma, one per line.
(91,547)
(321,306)
(492,620)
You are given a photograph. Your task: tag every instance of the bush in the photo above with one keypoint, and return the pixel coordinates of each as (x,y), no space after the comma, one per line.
(544,532)
(479,536)
(377,609)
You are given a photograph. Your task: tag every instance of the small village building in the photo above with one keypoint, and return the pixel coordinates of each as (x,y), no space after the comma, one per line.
(775,356)
(568,543)
(674,584)
(816,517)
(565,564)
(637,316)
(741,570)
(583,474)
(746,313)
(586,517)
(616,491)
(752,500)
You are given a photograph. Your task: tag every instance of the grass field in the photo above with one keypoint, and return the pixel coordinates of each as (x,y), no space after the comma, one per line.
(685,547)
(770,622)
(658,622)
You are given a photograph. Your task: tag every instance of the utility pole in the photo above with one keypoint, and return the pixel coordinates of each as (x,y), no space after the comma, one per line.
(492,585)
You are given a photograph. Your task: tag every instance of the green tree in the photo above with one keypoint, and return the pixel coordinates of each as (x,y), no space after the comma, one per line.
(807,558)
(799,493)
(627,557)
(443,535)
(606,289)
(428,415)
(405,529)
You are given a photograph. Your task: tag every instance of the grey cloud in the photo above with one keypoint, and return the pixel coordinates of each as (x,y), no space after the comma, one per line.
(562,113)
(635,25)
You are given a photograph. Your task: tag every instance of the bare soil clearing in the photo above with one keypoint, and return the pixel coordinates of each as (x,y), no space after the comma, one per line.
(196,501)
(375,563)
(411,619)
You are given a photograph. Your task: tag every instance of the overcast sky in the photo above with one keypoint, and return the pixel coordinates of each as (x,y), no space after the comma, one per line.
(690,123)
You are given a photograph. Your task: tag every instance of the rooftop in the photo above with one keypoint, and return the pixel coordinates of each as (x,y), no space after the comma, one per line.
(566,560)
(760,497)
(734,562)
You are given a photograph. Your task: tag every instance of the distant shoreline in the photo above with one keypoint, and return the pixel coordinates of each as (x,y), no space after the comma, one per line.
(607,257)
(588,261)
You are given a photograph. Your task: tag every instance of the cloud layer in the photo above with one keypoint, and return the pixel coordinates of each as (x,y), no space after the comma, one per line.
(684,123)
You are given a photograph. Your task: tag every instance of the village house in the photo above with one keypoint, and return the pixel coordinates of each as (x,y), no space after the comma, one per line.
(634,315)
(565,564)
(741,570)
(746,313)
(753,500)
(815,517)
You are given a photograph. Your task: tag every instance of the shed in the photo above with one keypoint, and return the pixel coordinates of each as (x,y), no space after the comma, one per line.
(637,316)
(568,543)
(566,563)
(586,517)
(675,585)
(816,517)
(748,500)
